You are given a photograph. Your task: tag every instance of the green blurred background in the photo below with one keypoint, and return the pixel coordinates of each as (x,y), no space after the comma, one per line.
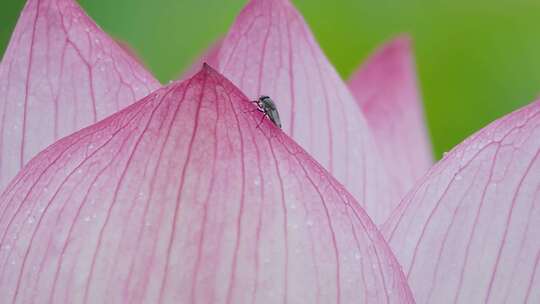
(477,60)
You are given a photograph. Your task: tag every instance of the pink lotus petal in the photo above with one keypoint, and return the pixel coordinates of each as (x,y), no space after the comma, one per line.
(270,51)
(60,73)
(180,198)
(386,89)
(470,232)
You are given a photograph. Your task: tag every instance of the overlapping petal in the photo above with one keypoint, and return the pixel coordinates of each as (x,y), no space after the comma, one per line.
(60,73)
(271,51)
(386,89)
(469,232)
(182,198)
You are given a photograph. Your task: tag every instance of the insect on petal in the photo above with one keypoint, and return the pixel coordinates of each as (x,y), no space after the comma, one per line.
(271,51)
(60,73)
(181,199)
(469,232)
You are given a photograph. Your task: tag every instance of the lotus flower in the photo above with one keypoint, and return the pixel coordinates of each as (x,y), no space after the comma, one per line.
(176,194)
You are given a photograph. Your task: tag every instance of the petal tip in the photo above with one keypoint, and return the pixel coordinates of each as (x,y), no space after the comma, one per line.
(207,68)
(394,50)
(403,40)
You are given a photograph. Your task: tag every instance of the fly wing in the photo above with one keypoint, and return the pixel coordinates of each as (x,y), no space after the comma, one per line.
(274,117)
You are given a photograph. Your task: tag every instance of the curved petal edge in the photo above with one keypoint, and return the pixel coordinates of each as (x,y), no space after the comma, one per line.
(60,73)
(386,88)
(182,197)
(469,233)
(271,51)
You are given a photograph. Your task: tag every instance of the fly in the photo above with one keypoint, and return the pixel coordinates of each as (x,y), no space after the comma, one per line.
(267,106)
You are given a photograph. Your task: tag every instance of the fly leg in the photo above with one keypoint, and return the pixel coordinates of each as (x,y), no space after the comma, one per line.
(262,119)
(258,110)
